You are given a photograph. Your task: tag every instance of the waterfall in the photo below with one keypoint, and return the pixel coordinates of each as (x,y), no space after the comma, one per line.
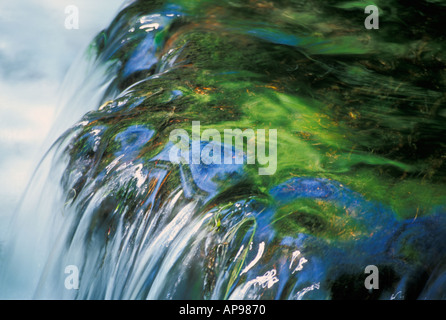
(116,218)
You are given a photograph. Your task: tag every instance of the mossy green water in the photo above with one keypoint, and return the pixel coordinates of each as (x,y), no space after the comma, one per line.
(362,107)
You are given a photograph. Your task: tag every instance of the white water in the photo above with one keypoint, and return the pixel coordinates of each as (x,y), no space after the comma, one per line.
(36,51)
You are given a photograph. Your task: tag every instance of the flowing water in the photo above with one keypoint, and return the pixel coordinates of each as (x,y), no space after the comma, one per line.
(360,177)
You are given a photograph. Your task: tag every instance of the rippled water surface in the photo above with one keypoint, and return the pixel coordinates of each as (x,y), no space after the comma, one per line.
(360,179)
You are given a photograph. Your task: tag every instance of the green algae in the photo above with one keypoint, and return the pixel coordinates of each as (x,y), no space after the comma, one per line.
(316,217)
(356,106)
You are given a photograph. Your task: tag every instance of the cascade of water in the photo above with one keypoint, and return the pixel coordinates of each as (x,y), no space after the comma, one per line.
(137,225)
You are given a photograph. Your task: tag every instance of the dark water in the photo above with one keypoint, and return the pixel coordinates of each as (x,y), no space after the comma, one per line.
(360,179)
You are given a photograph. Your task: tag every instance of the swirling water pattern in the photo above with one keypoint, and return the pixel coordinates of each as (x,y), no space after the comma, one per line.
(352,158)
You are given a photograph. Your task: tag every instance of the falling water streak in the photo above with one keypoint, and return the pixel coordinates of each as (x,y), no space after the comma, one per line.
(157,248)
(177,248)
(256,259)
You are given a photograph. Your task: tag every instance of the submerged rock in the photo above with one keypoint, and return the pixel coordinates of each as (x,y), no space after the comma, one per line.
(360,157)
